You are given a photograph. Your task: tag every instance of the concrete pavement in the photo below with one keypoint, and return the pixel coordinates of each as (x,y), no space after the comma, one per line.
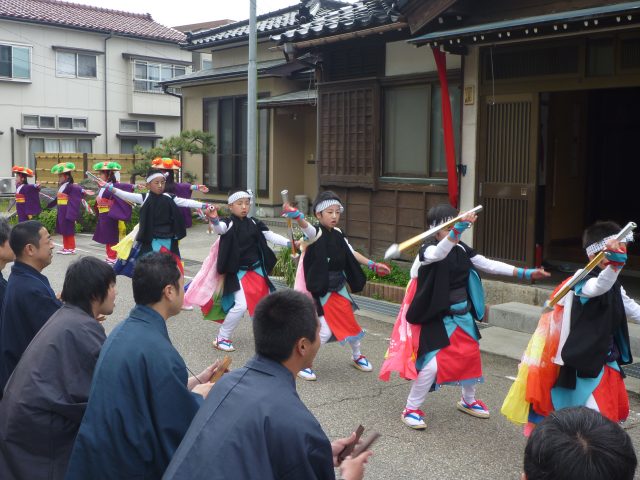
(454,444)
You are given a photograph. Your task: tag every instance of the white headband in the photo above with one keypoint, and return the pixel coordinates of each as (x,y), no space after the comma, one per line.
(153,176)
(444,220)
(328,203)
(599,246)
(234,197)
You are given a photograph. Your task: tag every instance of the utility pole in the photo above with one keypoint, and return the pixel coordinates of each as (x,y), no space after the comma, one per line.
(252,107)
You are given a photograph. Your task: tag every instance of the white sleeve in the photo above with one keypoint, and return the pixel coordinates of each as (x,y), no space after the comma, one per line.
(493,267)
(220,227)
(631,307)
(595,287)
(435,253)
(129,196)
(349,245)
(413,273)
(310,231)
(275,238)
(187,202)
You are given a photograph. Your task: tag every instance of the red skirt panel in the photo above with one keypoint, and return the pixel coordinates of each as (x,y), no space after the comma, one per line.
(611,396)
(338,313)
(255,289)
(460,360)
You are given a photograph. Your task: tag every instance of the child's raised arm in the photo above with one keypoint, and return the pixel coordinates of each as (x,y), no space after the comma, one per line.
(631,307)
(128,196)
(276,238)
(495,267)
(616,257)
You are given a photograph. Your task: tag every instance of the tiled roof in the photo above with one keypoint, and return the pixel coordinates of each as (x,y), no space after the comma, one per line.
(300,97)
(233,71)
(266,24)
(353,17)
(84,17)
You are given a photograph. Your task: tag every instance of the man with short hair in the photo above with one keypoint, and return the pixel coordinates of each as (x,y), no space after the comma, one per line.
(579,443)
(6,256)
(47,394)
(254,425)
(29,300)
(141,401)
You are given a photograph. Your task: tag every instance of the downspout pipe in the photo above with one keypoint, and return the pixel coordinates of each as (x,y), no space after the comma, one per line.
(252,106)
(165,89)
(106,109)
(13,147)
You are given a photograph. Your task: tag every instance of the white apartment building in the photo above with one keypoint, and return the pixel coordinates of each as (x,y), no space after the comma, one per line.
(76,78)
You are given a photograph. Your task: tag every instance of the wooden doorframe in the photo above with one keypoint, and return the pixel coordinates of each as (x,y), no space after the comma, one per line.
(504,234)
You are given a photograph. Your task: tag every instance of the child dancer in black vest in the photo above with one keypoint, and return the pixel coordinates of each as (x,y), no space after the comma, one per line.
(161,222)
(593,342)
(329,264)
(246,261)
(444,299)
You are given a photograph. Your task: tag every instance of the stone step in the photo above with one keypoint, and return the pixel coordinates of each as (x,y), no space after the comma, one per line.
(517,316)
(524,318)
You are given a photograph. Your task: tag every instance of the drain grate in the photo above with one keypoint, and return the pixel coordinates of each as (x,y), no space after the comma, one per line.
(377,306)
(191,263)
(632,370)
(279,284)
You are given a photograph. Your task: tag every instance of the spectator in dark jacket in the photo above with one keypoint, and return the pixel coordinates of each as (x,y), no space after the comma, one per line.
(29,300)
(46,396)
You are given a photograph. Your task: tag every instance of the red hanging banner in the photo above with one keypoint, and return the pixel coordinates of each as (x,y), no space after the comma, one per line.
(447,126)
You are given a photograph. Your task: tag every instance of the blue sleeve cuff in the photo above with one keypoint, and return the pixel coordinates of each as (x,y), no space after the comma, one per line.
(525,273)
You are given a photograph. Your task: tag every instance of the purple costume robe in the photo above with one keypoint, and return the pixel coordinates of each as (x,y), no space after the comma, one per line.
(69,213)
(183,190)
(107,227)
(31,205)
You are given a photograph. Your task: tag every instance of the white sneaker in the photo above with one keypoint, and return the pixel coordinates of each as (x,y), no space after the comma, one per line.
(66,251)
(187,308)
(307,374)
(223,344)
(476,409)
(413,419)
(362,364)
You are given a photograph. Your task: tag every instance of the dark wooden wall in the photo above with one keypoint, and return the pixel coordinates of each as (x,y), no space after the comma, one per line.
(373,220)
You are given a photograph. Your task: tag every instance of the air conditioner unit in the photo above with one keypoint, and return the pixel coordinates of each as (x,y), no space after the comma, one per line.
(7,185)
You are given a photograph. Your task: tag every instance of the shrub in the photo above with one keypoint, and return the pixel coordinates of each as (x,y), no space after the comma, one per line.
(189,177)
(48,219)
(11,215)
(87,222)
(135,218)
(285,266)
(399,276)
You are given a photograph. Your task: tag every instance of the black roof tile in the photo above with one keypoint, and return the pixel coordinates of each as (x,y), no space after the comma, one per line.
(267,24)
(355,16)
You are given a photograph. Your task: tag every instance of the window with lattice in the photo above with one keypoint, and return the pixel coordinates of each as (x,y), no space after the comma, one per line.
(348,144)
